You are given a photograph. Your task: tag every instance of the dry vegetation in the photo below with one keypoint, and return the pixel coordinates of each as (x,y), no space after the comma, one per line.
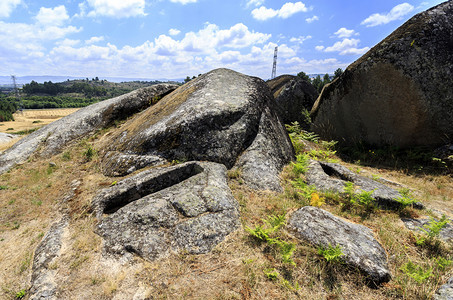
(34,118)
(239,268)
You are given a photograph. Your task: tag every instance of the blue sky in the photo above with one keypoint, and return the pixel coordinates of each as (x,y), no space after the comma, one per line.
(179,38)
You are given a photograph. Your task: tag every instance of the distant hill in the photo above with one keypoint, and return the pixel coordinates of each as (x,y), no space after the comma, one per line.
(21,80)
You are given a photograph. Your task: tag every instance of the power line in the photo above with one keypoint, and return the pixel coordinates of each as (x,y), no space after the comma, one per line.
(274,66)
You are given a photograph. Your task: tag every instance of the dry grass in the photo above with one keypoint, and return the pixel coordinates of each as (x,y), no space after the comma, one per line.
(34,118)
(235,269)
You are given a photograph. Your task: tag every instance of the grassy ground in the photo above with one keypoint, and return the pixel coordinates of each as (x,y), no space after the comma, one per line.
(241,267)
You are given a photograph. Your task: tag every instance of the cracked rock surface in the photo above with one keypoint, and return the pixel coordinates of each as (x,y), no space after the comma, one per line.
(216,117)
(333,177)
(168,209)
(357,242)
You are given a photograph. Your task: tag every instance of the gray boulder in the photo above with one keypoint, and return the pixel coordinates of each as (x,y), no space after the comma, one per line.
(43,285)
(357,242)
(216,117)
(6,137)
(333,177)
(184,207)
(445,292)
(399,93)
(293,95)
(446,233)
(54,136)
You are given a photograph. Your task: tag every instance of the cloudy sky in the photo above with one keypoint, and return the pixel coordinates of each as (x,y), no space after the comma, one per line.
(178,38)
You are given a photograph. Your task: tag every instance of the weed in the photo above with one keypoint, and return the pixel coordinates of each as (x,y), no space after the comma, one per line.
(331,254)
(271,274)
(234,173)
(21,294)
(300,166)
(66,156)
(316,200)
(89,153)
(416,272)
(406,197)
(443,263)
(266,233)
(432,230)
(3,187)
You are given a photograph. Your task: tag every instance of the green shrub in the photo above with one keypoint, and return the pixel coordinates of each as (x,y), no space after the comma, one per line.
(416,272)
(331,254)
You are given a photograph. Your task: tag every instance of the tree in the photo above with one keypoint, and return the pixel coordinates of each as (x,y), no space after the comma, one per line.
(326,79)
(317,83)
(303,76)
(187,79)
(337,73)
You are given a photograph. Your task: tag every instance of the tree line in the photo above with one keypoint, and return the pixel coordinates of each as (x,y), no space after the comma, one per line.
(319,82)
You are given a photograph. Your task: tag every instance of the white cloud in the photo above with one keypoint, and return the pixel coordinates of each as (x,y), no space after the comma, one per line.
(287,10)
(319,48)
(255,3)
(184,2)
(174,31)
(300,39)
(114,8)
(94,40)
(52,16)
(68,42)
(312,19)
(395,13)
(7,7)
(345,33)
(346,47)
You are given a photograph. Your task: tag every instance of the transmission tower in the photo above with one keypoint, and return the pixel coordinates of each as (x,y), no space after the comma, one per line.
(274,66)
(16,92)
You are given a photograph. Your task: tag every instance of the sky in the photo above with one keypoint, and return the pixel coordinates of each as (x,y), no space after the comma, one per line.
(173,39)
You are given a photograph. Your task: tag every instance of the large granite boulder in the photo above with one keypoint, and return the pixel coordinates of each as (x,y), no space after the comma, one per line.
(357,242)
(293,96)
(399,93)
(216,117)
(54,136)
(186,207)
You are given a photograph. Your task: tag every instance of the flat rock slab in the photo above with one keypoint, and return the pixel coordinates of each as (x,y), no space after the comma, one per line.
(216,117)
(333,177)
(43,285)
(445,292)
(54,136)
(358,244)
(168,209)
(446,234)
(7,137)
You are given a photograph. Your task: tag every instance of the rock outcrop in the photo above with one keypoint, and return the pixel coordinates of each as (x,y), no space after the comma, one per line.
(6,137)
(445,234)
(333,177)
(153,213)
(216,117)
(445,292)
(357,242)
(43,285)
(399,93)
(293,96)
(54,136)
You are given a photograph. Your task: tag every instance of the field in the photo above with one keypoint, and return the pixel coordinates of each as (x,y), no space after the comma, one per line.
(31,119)
(34,118)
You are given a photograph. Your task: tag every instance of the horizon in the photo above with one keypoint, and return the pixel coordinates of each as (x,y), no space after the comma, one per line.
(178,38)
